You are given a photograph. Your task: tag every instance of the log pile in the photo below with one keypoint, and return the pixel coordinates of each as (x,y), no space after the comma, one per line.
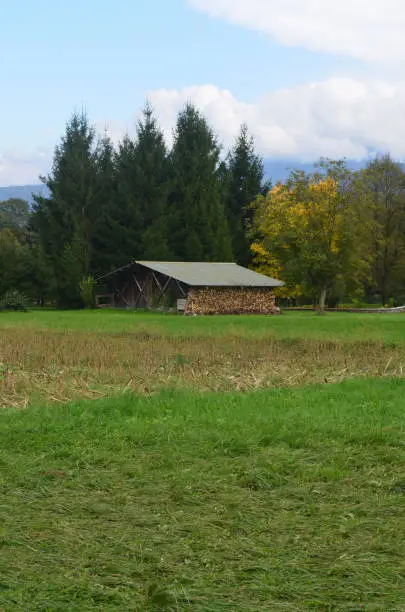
(231,300)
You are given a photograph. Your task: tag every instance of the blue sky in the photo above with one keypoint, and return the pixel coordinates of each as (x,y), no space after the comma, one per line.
(306,87)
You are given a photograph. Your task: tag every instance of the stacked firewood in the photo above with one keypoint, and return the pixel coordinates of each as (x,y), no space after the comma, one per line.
(230,300)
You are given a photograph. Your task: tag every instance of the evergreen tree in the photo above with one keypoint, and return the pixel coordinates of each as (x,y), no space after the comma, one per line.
(198,227)
(66,218)
(152,186)
(106,235)
(133,187)
(42,287)
(243,183)
(127,225)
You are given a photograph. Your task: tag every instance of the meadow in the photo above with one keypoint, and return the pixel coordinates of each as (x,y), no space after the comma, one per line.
(157,462)
(338,327)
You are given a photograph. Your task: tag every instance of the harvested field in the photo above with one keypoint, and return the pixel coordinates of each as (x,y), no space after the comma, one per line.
(48,366)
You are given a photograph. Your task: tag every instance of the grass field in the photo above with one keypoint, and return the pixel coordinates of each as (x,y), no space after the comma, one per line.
(207,464)
(339,327)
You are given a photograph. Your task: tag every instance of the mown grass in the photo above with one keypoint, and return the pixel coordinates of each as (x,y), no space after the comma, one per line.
(339,327)
(290,499)
(266,492)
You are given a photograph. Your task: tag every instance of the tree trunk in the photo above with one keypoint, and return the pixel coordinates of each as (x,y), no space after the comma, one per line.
(322,300)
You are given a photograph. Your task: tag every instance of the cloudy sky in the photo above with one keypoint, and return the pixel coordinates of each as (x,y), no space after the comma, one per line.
(311,77)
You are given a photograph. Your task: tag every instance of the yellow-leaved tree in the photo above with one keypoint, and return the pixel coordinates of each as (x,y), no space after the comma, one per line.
(313,233)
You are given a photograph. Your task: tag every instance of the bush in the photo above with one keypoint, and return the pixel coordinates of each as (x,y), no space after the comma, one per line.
(87,291)
(13,300)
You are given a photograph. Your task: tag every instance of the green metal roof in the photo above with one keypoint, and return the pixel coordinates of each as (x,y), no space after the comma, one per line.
(211,274)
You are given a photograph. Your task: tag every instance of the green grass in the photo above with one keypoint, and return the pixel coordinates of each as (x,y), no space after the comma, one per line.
(341,327)
(266,492)
(291,499)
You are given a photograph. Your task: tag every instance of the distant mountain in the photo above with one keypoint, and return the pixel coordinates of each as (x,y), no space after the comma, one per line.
(279,170)
(24,192)
(275,170)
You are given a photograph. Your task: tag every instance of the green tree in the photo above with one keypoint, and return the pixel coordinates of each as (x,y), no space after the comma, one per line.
(132,194)
(243,183)
(197,222)
(42,286)
(383,182)
(14,261)
(66,219)
(106,242)
(14,214)
(152,180)
(127,221)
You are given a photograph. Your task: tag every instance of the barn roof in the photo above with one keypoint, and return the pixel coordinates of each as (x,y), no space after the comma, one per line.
(202,274)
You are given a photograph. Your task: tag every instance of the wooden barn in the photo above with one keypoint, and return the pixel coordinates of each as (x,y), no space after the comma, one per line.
(195,288)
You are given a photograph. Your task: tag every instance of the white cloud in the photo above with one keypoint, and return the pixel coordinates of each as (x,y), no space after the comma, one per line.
(339,117)
(113,129)
(370,30)
(19,168)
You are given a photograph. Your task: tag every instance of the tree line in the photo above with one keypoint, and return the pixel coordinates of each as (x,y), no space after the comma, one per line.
(140,200)
(331,235)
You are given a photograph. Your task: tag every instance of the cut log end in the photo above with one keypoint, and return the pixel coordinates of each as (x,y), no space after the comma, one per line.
(229,300)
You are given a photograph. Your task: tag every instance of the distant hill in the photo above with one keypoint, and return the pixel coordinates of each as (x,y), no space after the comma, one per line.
(279,170)
(275,170)
(24,192)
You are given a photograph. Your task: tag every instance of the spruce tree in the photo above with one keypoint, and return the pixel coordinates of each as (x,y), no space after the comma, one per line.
(106,235)
(66,218)
(198,227)
(152,186)
(127,226)
(242,184)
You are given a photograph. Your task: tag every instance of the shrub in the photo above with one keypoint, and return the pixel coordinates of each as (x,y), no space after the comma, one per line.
(87,291)
(13,300)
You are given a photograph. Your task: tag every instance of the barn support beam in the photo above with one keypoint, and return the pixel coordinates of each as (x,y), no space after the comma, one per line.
(183,293)
(121,293)
(163,290)
(142,293)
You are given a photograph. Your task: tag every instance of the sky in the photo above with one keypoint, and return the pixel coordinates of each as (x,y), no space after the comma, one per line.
(311,78)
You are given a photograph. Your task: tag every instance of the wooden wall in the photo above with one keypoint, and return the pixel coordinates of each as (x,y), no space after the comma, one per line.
(138,287)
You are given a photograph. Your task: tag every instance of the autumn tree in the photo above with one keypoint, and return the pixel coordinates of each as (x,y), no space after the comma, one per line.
(312,232)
